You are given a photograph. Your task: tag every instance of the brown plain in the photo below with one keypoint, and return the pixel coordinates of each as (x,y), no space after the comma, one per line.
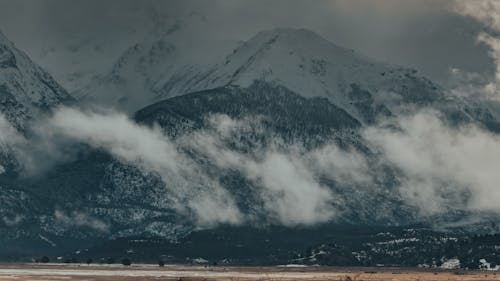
(56,272)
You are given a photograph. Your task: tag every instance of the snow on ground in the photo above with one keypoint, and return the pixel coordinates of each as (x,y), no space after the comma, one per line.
(451,264)
(488,266)
(292,265)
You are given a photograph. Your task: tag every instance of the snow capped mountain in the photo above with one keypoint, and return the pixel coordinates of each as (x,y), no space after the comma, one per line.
(297,59)
(174,57)
(77,60)
(301,60)
(80,51)
(312,66)
(25,88)
(281,97)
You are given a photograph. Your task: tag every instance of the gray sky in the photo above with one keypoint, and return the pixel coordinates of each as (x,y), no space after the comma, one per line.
(426,35)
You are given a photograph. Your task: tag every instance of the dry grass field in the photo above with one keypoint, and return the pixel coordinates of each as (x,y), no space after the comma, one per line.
(53,272)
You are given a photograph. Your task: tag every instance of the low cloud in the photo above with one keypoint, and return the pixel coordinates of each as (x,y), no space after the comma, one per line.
(486,12)
(192,191)
(80,219)
(8,134)
(289,191)
(442,168)
(438,168)
(287,176)
(26,153)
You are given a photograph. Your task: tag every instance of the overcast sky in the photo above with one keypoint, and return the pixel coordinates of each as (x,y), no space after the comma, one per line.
(426,35)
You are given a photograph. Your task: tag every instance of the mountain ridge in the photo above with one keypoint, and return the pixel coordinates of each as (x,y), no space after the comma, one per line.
(281,56)
(26,88)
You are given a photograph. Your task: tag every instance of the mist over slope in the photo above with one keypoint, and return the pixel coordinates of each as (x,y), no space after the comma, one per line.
(27,92)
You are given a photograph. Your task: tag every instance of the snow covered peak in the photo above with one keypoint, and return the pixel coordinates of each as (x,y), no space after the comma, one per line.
(301,40)
(312,66)
(173,58)
(295,57)
(25,88)
(181,59)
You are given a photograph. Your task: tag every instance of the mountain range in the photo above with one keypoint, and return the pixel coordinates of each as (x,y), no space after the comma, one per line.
(259,120)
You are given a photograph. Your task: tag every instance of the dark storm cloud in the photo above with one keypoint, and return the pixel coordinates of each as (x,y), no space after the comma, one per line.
(427,35)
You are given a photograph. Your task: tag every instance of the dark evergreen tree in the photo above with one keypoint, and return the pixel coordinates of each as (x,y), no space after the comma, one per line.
(126,261)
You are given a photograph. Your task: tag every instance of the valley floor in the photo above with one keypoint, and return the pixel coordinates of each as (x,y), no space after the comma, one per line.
(54,272)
